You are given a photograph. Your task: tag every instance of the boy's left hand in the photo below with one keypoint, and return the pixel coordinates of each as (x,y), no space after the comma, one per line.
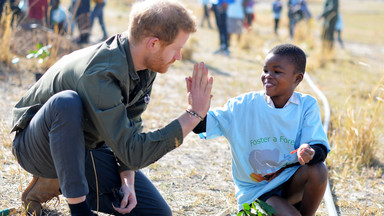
(305,154)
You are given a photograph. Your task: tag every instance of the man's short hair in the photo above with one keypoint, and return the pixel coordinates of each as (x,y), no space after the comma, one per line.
(293,53)
(160,18)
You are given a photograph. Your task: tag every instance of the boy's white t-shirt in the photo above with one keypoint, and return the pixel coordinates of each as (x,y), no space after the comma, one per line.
(262,137)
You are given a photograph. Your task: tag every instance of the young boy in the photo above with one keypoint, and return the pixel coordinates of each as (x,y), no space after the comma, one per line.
(265,128)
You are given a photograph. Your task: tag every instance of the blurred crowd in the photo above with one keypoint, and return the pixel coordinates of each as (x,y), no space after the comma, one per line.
(50,15)
(231,17)
(234,16)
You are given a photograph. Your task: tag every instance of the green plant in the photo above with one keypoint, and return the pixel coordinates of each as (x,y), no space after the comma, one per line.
(257,208)
(41,52)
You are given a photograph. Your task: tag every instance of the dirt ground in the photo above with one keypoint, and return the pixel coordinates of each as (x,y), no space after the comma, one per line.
(195,179)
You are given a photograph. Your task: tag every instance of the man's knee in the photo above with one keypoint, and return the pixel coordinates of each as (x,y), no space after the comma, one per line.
(67,101)
(166,211)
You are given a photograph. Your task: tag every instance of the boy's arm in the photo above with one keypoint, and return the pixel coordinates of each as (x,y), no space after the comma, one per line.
(311,154)
(201,127)
(320,153)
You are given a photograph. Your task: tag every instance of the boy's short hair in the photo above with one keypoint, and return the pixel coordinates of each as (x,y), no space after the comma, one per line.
(294,54)
(160,18)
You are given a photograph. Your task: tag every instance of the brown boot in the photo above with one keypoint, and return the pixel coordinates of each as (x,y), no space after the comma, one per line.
(40,190)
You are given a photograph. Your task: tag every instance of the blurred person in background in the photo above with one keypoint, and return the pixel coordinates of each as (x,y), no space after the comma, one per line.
(37,11)
(13,7)
(206,11)
(277,6)
(235,20)
(219,8)
(80,10)
(329,15)
(249,13)
(339,28)
(58,18)
(98,13)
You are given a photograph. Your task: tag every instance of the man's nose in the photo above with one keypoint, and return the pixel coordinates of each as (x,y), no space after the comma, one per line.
(178,56)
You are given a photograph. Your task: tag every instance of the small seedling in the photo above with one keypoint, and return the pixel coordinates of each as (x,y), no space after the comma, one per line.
(257,208)
(41,52)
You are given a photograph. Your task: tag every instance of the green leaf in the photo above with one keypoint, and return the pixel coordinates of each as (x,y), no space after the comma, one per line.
(269,209)
(246,207)
(262,208)
(38,46)
(258,209)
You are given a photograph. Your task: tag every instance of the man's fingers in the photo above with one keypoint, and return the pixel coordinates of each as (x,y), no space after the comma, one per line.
(199,75)
(196,76)
(131,206)
(124,201)
(126,210)
(208,88)
(204,78)
(204,75)
(188,81)
(195,68)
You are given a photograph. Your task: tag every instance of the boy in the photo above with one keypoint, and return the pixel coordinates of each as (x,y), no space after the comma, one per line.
(265,128)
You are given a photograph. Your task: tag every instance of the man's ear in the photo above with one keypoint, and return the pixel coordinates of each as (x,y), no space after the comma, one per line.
(153,43)
(299,78)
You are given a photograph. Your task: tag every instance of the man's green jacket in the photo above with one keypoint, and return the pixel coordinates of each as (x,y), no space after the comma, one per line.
(114,96)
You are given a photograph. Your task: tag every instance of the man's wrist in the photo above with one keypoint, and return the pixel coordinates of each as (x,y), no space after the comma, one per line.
(128,177)
(193,113)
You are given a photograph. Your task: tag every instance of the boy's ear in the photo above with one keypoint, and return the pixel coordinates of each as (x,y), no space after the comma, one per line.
(299,78)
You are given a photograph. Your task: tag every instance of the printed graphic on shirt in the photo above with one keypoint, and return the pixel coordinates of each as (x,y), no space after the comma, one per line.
(267,162)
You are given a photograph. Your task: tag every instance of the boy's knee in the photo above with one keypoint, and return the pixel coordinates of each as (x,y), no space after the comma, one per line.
(318,171)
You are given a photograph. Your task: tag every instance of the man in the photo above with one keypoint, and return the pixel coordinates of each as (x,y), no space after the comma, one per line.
(219,8)
(294,15)
(98,13)
(330,14)
(93,99)
(58,17)
(80,10)
(37,11)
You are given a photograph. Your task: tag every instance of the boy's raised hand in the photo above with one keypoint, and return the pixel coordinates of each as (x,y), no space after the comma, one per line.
(199,88)
(305,153)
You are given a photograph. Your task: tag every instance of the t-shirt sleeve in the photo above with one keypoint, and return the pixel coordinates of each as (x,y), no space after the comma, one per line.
(218,120)
(312,129)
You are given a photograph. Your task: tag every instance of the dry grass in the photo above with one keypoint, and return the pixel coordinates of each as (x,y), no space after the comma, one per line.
(6,33)
(195,179)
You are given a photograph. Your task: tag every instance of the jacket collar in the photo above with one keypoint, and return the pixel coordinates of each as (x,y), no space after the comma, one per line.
(131,67)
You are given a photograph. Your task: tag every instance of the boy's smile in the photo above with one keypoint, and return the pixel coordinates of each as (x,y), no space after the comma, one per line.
(279,78)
